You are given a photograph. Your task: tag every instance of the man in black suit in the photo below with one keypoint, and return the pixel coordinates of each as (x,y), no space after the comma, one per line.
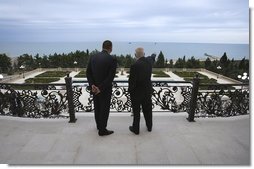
(140,88)
(100,73)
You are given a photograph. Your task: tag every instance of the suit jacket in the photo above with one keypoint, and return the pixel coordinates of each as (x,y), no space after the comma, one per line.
(101,70)
(140,77)
(151,58)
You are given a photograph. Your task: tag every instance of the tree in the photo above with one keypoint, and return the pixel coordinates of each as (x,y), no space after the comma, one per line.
(242,64)
(224,61)
(27,61)
(120,60)
(171,63)
(128,61)
(160,61)
(179,63)
(208,64)
(193,63)
(5,64)
(44,61)
(37,60)
(184,61)
(166,63)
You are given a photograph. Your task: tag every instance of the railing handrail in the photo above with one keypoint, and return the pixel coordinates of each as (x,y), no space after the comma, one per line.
(34,84)
(126,81)
(122,81)
(224,84)
(164,96)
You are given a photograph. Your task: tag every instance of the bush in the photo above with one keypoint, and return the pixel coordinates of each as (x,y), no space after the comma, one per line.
(160,74)
(41,80)
(185,74)
(53,74)
(203,80)
(82,74)
(189,75)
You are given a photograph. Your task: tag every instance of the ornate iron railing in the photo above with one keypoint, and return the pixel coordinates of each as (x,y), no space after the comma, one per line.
(223,100)
(33,100)
(170,96)
(212,100)
(52,100)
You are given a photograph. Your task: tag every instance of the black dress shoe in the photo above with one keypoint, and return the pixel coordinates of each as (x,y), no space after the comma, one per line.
(105,133)
(149,129)
(132,130)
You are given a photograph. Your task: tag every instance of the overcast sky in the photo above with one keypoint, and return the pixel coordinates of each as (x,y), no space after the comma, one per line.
(210,21)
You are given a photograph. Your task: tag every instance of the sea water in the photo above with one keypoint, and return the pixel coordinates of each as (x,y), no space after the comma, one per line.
(170,50)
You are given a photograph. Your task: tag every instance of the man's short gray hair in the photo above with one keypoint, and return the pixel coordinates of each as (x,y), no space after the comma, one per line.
(139,52)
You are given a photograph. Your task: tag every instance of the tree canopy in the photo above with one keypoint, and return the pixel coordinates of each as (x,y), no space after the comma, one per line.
(230,68)
(5,63)
(160,63)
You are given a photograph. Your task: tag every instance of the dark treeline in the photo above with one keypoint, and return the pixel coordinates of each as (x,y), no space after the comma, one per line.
(70,60)
(230,68)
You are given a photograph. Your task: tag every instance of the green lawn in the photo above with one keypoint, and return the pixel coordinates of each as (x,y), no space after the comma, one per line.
(42,80)
(188,76)
(203,80)
(47,77)
(53,74)
(81,74)
(159,74)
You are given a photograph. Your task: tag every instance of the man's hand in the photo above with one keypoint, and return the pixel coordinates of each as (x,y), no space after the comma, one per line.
(95,90)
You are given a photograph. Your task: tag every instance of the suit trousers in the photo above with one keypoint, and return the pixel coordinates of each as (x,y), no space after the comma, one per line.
(101,109)
(139,100)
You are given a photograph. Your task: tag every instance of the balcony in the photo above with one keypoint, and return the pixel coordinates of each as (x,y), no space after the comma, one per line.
(43,135)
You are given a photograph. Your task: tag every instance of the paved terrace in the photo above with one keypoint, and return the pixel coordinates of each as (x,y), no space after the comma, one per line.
(173,141)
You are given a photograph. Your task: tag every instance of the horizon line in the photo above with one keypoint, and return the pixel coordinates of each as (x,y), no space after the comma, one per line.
(129,42)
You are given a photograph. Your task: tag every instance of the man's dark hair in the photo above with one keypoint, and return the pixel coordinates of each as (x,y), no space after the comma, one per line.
(107,44)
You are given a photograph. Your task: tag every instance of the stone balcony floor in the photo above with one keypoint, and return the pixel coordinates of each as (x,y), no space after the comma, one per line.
(173,141)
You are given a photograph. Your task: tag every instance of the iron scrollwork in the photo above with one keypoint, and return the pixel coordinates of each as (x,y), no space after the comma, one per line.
(164,98)
(222,102)
(77,92)
(120,100)
(53,103)
(46,101)
(172,98)
(30,103)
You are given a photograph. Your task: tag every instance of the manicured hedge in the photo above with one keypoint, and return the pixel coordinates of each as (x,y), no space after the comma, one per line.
(53,74)
(203,80)
(156,73)
(160,74)
(81,74)
(189,74)
(42,80)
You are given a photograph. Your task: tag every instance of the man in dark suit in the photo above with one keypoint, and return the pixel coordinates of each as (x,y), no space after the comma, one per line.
(100,73)
(140,88)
